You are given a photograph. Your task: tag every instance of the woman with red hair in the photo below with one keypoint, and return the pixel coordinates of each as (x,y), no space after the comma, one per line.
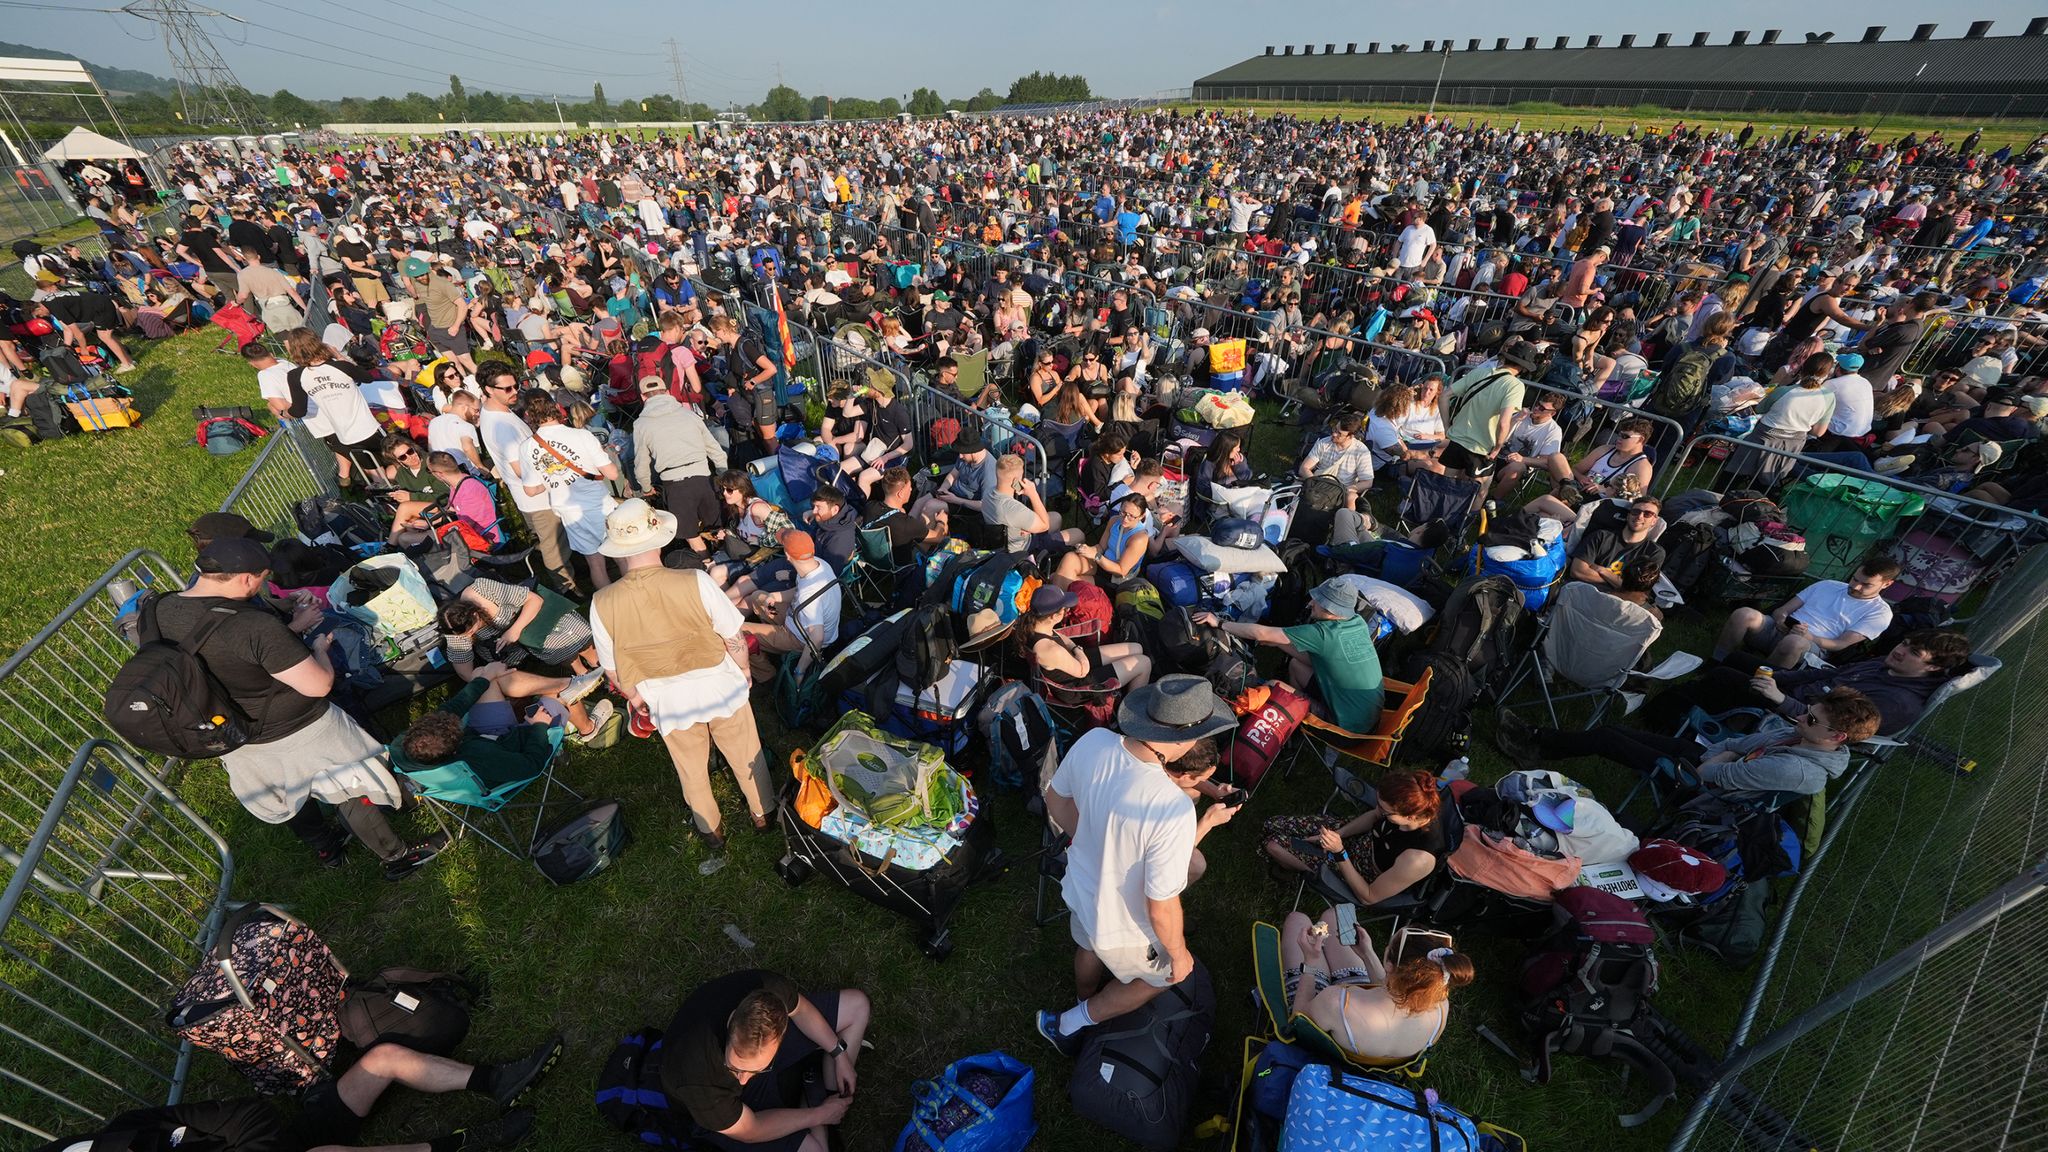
(1384,852)
(1377,1014)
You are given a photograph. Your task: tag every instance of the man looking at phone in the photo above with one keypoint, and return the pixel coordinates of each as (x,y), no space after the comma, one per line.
(1826,618)
(1127,800)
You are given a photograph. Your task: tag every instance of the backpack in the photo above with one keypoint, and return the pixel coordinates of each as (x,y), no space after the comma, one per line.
(1003,581)
(657,357)
(1020,732)
(165,700)
(1586,989)
(629,1094)
(1732,927)
(424,1011)
(1089,619)
(1769,548)
(584,845)
(1689,551)
(1136,1074)
(1315,512)
(1188,646)
(267,999)
(226,435)
(1262,734)
(1440,725)
(928,647)
(1141,596)
(1287,602)
(1477,627)
(979,1104)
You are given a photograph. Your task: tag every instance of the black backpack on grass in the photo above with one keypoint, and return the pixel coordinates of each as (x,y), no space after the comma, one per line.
(630,1096)
(165,700)
(1586,989)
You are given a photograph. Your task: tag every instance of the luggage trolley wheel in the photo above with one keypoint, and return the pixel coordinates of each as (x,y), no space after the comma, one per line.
(938,945)
(793,869)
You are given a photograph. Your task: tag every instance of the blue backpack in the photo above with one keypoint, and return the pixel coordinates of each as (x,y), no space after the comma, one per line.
(1022,737)
(629,1095)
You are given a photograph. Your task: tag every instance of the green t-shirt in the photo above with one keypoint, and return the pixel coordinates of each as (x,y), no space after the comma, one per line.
(1347,668)
(1480,401)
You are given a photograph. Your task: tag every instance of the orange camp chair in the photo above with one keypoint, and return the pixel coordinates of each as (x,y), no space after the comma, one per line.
(1376,747)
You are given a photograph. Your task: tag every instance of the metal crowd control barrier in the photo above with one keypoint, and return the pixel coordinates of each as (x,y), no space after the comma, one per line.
(1304,345)
(1950,340)
(1589,422)
(1948,544)
(293,466)
(115,899)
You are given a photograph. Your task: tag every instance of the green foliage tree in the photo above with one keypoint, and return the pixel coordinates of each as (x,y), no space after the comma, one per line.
(784,103)
(889,106)
(291,109)
(456,105)
(597,99)
(1048,88)
(984,101)
(821,107)
(661,107)
(925,102)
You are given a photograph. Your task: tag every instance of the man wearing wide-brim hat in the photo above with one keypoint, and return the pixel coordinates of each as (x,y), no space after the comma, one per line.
(1127,798)
(671,642)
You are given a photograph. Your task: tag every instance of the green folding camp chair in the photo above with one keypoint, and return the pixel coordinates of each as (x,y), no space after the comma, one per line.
(454,791)
(1298,1029)
(973,373)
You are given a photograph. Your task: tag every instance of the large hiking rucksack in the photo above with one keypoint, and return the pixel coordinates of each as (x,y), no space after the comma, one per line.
(1287,603)
(1477,627)
(1003,581)
(1315,512)
(1022,751)
(1445,717)
(928,647)
(1135,1074)
(1188,646)
(1586,988)
(165,700)
(1689,551)
(422,1010)
(630,1097)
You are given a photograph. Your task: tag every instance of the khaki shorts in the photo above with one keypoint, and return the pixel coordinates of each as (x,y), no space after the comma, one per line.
(1128,963)
(372,289)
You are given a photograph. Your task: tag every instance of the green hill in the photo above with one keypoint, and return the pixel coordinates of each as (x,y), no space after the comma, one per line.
(112,79)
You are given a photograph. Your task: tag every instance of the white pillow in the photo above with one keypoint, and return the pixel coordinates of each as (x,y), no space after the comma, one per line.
(1250,503)
(1209,556)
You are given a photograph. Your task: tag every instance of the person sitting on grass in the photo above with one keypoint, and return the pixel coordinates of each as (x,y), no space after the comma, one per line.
(485,727)
(1798,760)
(1331,658)
(1900,683)
(1829,617)
(733,1060)
(1376,1014)
(1389,850)
(331,1113)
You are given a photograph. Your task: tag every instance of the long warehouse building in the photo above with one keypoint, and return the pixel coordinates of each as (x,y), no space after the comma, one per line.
(1974,75)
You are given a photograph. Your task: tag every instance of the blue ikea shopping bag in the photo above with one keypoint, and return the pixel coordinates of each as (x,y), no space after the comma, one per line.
(1330,1110)
(979,1104)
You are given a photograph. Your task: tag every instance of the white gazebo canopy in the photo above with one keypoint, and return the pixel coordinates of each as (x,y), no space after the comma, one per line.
(84,144)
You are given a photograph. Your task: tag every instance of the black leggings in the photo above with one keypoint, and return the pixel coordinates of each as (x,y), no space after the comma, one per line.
(1624,746)
(1718,689)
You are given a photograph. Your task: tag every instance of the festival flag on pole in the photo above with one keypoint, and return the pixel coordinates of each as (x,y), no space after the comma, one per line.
(782,328)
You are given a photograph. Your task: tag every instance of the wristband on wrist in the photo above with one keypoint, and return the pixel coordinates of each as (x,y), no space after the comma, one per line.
(838,1050)
(1342,857)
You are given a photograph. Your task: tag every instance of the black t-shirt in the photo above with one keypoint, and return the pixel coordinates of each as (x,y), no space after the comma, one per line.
(887,422)
(693,1072)
(359,253)
(242,654)
(250,236)
(204,244)
(905,530)
(1604,548)
(1385,842)
(75,307)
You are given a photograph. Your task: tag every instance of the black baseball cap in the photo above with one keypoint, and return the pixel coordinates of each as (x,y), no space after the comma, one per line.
(226,526)
(234,556)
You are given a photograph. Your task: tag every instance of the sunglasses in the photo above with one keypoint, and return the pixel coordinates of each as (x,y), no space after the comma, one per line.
(407,454)
(1642,515)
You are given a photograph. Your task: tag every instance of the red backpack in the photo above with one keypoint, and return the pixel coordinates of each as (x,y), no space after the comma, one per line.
(1088,621)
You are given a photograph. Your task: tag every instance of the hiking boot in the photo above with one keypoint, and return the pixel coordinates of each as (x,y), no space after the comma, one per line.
(1049,1027)
(514,1081)
(415,859)
(581,686)
(1516,738)
(507,1131)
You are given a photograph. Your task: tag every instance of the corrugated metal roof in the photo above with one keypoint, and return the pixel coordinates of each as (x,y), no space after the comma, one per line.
(1995,63)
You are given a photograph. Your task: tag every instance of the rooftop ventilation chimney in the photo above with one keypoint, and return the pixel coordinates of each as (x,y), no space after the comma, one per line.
(2038,26)
(1562,41)
(1740,37)
(1924,32)
(1873,34)
(1429,45)
(1372,47)
(1398,47)
(1472,45)
(1308,49)
(1699,39)
(1663,40)
(1329,49)
(1592,41)
(1770,36)
(1269,49)
(1977,30)
(1500,45)
(1628,40)
(1529,45)
(1351,49)
(1287,51)
(1819,37)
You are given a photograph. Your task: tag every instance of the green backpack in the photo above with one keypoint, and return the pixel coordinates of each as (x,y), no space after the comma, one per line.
(584,845)
(1732,927)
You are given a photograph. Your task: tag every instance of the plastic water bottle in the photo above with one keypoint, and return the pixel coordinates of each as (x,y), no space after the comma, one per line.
(1458,769)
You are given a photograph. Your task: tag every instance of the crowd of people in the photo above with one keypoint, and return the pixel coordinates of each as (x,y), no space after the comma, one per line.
(560,343)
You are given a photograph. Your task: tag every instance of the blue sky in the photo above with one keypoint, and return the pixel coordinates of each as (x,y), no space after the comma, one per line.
(731,51)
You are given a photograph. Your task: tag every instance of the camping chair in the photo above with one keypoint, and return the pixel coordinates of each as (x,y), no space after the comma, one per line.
(871,577)
(1376,747)
(973,374)
(1296,1028)
(1435,496)
(1075,710)
(1877,749)
(1594,640)
(455,792)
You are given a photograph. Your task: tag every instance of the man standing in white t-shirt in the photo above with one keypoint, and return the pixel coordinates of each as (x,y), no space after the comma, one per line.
(503,432)
(1826,618)
(1128,803)
(1415,246)
(1855,406)
(272,378)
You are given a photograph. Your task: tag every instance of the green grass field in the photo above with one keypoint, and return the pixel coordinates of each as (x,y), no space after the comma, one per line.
(601,958)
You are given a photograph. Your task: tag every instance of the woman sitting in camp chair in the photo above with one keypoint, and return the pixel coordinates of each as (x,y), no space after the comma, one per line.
(1622,469)
(1375,1016)
(1388,851)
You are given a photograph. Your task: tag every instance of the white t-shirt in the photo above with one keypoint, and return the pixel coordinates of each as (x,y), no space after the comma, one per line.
(335,406)
(820,615)
(1829,612)
(1534,441)
(1134,837)
(449,433)
(271,382)
(502,434)
(1414,244)
(565,487)
(1853,405)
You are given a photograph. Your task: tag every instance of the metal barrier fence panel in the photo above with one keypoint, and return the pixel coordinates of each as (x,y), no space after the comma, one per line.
(1948,544)
(1903,1003)
(1951,340)
(115,898)
(293,466)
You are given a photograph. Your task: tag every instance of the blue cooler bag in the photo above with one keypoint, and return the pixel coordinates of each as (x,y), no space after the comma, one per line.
(1179,585)
(1534,576)
(979,1104)
(1330,1110)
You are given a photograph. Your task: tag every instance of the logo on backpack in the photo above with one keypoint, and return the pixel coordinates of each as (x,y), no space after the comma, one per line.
(165,699)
